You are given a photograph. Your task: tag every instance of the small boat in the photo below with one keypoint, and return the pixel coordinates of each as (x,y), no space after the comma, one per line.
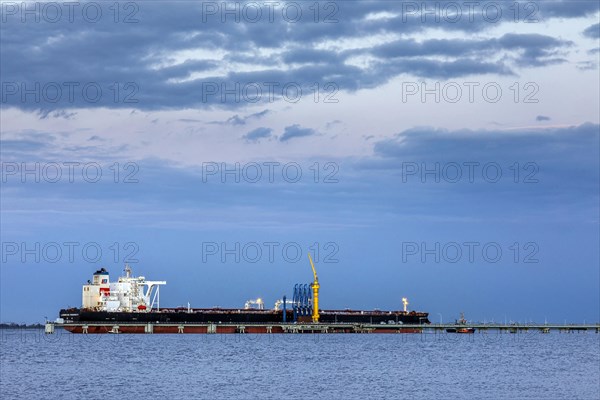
(461,328)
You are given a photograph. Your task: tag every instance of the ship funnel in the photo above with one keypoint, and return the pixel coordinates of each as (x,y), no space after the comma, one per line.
(95,292)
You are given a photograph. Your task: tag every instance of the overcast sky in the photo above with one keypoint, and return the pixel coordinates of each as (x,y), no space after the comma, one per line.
(416,127)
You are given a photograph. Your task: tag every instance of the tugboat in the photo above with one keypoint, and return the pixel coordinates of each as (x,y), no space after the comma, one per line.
(461,326)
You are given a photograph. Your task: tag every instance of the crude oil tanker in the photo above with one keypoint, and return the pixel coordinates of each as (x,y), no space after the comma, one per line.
(132,305)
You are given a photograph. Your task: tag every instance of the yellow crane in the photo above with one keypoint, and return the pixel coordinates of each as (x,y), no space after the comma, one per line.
(315,287)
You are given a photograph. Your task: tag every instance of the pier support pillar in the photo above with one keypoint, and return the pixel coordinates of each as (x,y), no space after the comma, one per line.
(49,328)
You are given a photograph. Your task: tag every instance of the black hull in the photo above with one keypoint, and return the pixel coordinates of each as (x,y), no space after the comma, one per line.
(225,316)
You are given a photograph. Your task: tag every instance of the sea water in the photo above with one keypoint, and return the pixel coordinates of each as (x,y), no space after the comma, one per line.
(528,365)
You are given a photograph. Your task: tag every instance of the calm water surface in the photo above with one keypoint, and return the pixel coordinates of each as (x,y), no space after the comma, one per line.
(427,366)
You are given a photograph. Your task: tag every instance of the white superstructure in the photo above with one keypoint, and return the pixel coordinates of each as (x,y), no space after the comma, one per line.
(259,303)
(128,294)
(279,303)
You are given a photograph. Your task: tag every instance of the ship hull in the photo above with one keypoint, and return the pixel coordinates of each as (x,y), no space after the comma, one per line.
(238,321)
(228,329)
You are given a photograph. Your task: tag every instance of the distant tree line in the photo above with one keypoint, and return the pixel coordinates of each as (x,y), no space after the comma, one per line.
(12,325)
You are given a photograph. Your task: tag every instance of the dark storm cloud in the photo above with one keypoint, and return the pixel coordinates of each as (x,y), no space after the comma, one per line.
(296,131)
(185,69)
(258,133)
(311,56)
(558,160)
(552,145)
(28,142)
(566,8)
(587,65)
(237,120)
(444,69)
(36,146)
(592,31)
(134,64)
(45,114)
(425,140)
(18,146)
(530,49)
